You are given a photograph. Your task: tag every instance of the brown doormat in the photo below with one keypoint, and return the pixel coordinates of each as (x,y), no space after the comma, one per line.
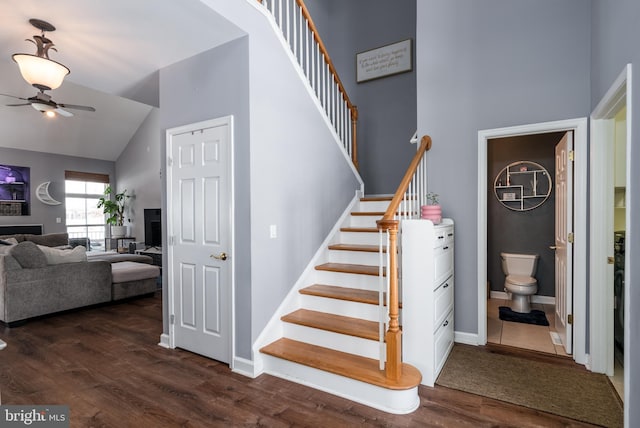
(565,391)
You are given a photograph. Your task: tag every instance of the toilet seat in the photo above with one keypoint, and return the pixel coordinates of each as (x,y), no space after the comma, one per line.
(521,280)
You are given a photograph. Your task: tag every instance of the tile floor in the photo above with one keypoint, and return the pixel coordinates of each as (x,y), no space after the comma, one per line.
(528,336)
(534,337)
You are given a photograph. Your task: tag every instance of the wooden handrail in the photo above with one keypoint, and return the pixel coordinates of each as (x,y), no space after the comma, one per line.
(425,145)
(353,110)
(388,223)
(325,53)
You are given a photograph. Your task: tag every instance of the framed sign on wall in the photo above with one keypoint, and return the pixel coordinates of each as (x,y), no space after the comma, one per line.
(384,61)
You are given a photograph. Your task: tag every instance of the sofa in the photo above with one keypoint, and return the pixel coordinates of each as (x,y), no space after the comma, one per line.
(42,274)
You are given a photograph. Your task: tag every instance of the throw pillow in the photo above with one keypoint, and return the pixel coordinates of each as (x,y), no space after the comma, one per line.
(56,256)
(29,255)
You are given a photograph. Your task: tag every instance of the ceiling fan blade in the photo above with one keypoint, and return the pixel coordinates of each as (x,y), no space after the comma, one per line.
(18,105)
(13,96)
(63,112)
(76,107)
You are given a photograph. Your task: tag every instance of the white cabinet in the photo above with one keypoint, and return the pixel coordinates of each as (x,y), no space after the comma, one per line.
(427,295)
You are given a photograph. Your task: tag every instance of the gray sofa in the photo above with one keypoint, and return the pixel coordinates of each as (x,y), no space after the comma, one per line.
(31,286)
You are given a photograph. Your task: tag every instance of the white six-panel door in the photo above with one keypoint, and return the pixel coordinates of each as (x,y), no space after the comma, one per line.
(563,248)
(198,191)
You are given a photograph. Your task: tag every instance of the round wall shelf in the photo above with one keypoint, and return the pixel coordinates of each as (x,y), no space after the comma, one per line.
(522,185)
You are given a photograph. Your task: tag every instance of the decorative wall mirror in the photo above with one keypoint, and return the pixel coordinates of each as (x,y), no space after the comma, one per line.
(522,185)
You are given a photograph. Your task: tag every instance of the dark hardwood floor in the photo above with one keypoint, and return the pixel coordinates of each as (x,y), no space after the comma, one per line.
(106,365)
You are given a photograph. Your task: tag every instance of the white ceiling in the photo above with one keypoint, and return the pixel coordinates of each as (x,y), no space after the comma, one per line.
(112,48)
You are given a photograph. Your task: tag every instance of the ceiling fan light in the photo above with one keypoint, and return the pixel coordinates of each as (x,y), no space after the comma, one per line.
(40,72)
(42,107)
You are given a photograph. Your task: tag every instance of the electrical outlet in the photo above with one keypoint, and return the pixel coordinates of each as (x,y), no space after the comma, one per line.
(273,231)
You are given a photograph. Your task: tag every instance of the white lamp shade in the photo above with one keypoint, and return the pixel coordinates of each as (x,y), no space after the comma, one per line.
(41,72)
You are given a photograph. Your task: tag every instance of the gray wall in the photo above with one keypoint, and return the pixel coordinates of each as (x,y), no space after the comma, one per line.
(484,65)
(210,85)
(615,35)
(527,232)
(49,167)
(387,106)
(138,171)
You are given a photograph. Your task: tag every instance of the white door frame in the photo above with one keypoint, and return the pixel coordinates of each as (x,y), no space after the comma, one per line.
(170,133)
(579,128)
(601,225)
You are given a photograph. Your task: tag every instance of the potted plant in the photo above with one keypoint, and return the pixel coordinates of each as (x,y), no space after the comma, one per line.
(114,208)
(432,211)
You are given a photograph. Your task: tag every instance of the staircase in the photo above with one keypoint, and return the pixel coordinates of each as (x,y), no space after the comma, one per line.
(331,341)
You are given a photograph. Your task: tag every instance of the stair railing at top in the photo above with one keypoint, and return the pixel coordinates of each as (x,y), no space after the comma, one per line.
(298,29)
(406,202)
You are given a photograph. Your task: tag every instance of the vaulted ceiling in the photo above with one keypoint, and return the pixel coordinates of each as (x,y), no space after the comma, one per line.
(114,49)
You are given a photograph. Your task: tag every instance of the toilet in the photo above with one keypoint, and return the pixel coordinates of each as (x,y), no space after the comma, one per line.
(519,280)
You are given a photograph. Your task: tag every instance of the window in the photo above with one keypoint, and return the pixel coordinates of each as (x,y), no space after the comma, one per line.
(85,222)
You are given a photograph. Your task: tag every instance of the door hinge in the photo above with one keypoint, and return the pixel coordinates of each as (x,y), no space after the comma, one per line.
(172,319)
(171,240)
(570,319)
(571,155)
(170,161)
(570,238)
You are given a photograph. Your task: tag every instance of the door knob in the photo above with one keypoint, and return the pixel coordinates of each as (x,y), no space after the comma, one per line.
(221,256)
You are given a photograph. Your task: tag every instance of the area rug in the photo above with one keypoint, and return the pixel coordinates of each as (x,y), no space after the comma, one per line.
(536,316)
(566,391)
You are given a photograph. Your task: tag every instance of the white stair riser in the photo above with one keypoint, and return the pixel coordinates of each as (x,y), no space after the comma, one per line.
(364,238)
(392,401)
(373,206)
(327,339)
(356,257)
(363,221)
(340,307)
(363,282)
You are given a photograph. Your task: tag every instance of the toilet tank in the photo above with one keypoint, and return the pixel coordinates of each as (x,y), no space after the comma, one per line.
(519,264)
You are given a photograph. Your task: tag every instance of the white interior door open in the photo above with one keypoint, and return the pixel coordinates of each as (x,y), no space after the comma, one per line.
(563,245)
(199,195)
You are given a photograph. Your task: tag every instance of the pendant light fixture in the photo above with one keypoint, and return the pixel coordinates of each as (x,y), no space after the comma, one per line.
(38,70)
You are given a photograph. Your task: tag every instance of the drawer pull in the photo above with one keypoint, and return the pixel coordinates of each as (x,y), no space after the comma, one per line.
(446,284)
(450,234)
(445,248)
(446,323)
(440,237)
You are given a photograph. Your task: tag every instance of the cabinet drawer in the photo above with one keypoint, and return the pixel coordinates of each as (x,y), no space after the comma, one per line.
(443,342)
(443,302)
(443,263)
(448,235)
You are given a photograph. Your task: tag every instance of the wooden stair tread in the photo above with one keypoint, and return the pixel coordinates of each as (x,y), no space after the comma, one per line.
(376,198)
(357,295)
(357,247)
(368,213)
(341,363)
(351,268)
(359,229)
(335,323)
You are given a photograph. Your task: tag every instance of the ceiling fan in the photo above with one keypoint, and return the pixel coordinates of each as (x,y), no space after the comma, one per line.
(44,74)
(43,103)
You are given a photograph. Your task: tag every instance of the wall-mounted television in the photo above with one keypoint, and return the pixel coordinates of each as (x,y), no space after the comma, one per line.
(152,227)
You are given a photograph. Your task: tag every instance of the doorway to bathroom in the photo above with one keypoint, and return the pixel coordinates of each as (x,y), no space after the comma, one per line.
(531,230)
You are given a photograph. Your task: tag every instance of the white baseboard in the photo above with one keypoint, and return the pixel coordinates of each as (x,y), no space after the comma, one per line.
(244,367)
(164,341)
(465,338)
(545,300)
